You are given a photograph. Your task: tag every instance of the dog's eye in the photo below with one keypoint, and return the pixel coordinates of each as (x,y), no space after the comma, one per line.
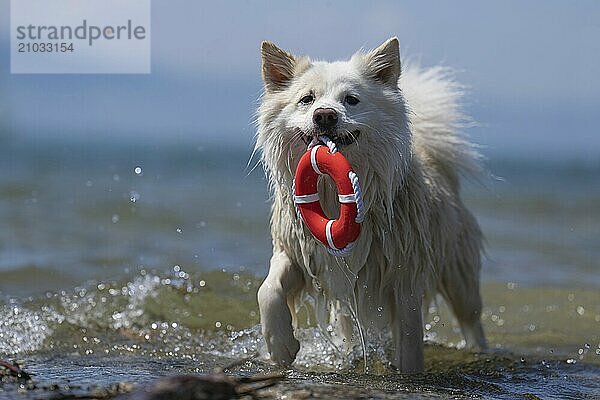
(309,98)
(352,100)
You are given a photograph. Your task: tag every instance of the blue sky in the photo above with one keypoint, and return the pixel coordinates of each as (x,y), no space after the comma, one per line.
(533,69)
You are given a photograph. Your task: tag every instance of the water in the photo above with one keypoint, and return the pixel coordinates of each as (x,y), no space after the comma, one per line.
(121,262)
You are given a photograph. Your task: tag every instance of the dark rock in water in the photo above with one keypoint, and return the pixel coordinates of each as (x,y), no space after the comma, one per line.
(203,387)
(188,387)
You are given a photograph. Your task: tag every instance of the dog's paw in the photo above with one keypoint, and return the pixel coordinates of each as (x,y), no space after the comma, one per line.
(283,347)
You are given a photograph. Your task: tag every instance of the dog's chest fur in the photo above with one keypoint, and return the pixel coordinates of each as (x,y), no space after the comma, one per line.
(403,239)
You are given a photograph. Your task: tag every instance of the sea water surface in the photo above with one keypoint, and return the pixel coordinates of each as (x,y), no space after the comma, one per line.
(126,262)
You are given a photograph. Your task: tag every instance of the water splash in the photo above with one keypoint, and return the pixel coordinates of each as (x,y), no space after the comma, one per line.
(23,330)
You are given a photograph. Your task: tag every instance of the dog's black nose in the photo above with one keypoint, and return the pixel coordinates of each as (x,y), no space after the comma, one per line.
(325,118)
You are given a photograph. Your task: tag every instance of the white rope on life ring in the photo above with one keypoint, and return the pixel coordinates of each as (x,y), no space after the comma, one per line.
(314,163)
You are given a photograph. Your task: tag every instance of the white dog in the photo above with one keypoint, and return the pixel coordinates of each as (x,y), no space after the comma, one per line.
(399,132)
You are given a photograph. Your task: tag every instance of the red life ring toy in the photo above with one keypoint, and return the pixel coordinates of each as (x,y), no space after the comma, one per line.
(338,235)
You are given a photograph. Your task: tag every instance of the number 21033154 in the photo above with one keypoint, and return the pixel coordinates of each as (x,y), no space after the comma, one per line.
(35,47)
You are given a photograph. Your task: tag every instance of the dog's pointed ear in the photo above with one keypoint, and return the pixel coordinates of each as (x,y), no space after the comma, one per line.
(278,66)
(383,63)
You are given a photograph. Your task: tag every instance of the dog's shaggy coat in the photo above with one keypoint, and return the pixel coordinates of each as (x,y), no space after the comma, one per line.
(418,239)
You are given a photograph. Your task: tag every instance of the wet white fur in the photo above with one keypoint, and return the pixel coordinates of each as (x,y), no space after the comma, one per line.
(418,239)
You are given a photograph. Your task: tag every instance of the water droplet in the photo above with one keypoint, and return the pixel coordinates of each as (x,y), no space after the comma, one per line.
(316,284)
(178,230)
(580,310)
(115,218)
(138,170)
(202,283)
(571,361)
(329,328)
(217,324)
(176,268)
(587,345)
(134,196)
(380,308)
(522,359)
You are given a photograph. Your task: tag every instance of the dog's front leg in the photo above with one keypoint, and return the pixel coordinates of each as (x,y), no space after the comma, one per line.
(283,281)
(407,333)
